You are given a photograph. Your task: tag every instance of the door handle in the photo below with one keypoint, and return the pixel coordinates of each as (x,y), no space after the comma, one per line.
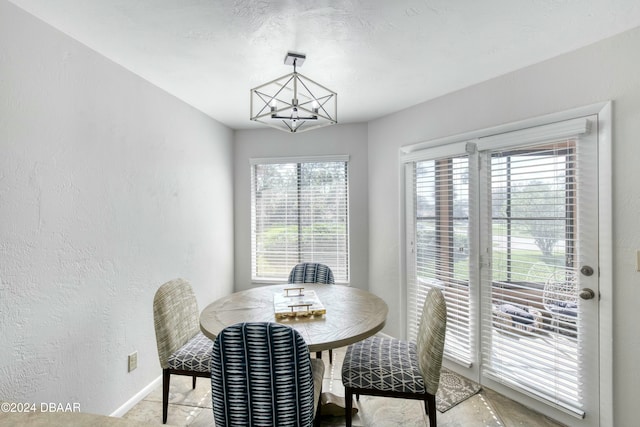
(587,293)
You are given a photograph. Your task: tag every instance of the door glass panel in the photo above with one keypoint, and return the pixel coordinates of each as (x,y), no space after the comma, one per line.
(533,342)
(442,247)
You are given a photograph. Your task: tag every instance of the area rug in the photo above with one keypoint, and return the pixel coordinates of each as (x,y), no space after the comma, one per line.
(453,389)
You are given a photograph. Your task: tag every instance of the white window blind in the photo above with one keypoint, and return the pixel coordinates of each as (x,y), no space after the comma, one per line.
(299,213)
(503,231)
(438,252)
(533,272)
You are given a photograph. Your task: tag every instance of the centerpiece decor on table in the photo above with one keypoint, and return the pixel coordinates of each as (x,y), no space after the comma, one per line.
(296,302)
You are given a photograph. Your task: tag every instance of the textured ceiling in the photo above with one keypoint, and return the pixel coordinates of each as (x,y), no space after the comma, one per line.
(381,56)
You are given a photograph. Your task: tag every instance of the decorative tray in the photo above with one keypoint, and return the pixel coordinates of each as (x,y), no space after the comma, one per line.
(295,302)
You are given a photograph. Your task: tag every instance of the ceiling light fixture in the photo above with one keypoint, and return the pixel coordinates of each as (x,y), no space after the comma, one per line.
(294,103)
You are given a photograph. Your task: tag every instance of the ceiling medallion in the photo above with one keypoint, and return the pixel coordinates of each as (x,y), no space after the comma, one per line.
(294,103)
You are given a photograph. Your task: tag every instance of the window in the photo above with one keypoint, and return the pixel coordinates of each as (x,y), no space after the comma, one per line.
(299,213)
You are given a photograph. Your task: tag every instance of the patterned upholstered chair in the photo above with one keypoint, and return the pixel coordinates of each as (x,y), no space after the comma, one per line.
(390,367)
(182,348)
(262,375)
(312,272)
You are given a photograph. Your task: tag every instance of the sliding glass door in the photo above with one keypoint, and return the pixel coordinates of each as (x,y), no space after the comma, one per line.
(507,227)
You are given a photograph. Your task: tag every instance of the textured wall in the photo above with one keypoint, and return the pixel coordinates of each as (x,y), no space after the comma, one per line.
(108,188)
(607,70)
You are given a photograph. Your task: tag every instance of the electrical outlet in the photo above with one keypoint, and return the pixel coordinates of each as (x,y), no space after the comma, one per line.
(133,361)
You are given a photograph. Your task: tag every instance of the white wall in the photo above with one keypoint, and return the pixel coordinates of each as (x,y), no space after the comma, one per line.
(108,188)
(339,139)
(608,70)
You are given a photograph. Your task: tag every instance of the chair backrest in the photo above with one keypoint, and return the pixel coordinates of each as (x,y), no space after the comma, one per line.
(175,317)
(261,375)
(430,339)
(311,272)
(561,287)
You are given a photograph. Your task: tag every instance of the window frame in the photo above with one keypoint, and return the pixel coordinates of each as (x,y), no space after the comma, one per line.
(343,274)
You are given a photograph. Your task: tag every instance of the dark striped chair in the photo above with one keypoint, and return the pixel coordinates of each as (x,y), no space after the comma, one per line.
(390,367)
(262,375)
(312,272)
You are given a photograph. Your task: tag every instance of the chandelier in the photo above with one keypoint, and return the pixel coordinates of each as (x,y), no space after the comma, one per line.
(294,103)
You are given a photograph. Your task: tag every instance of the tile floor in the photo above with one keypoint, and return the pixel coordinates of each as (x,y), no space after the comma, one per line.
(192,408)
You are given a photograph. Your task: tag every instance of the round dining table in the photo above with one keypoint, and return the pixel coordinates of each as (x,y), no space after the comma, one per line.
(352,314)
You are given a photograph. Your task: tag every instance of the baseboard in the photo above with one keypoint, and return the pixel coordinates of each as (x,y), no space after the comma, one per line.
(137,398)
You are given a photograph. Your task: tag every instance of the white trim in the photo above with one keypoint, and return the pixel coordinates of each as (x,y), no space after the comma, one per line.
(256,283)
(301,159)
(532,401)
(532,134)
(436,152)
(537,134)
(605,227)
(403,284)
(509,127)
(139,396)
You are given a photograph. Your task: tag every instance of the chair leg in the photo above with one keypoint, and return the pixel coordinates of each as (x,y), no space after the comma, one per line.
(318,355)
(430,406)
(166,377)
(193,385)
(348,405)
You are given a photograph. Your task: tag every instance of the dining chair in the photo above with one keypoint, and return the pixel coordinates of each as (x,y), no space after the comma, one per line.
(182,348)
(312,272)
(389,367)
(262,375)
